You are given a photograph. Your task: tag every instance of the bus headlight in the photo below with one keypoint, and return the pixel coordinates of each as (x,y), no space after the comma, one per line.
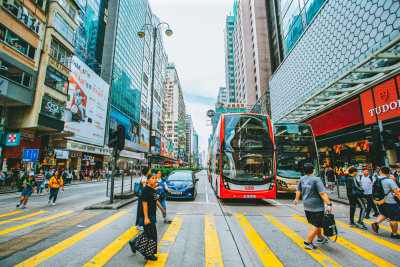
(282,183)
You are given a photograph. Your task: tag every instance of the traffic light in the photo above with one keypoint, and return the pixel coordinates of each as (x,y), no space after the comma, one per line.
(388,139)
(116,138)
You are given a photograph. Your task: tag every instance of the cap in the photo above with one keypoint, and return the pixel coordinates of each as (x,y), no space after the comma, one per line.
(31,174)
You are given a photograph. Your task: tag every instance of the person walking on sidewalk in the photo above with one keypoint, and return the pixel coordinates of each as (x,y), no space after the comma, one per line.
(355,194)
(331,177)
(314,196)
(367,180)
(40,182)
(389,209)
(143,182)
(54,185)
(29,187)
(162,197)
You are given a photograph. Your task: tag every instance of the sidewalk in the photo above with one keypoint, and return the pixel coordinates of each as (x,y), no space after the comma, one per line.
(341,197)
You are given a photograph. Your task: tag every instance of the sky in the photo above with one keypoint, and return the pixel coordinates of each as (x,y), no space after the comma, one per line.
(197,48)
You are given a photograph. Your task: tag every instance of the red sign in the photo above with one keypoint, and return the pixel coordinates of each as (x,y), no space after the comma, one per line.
(381,102)
(249,188)
(12,138)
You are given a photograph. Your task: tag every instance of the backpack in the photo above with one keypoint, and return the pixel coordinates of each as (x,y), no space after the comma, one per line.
(378,193)
(64,175)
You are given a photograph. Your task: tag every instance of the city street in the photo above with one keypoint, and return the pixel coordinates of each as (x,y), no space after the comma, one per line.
(203,232)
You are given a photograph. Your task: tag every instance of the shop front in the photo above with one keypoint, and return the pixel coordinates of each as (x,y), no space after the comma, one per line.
(86,157)
(351,133)
(129,160)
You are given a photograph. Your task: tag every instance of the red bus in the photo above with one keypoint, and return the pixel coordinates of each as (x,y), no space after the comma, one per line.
(242,157)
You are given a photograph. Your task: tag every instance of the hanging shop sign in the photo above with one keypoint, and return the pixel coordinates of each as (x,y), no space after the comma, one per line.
(12,139)
(87,148)
(27,134)
(62,154)
(131,155)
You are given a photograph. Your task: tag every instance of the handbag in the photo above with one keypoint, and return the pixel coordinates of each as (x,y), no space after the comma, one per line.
(138,189)
(146,246)
(329,225)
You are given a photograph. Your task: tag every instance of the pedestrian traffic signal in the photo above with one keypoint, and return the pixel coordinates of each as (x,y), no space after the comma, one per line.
(116,138)
(388,139)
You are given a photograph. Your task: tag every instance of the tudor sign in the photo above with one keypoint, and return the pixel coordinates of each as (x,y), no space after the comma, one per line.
(381,102)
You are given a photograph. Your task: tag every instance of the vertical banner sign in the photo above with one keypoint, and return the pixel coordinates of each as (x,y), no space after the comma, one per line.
(86,110)
(181,140)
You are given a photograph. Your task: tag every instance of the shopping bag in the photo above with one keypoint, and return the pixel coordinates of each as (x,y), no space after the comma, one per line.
(329,225)
(138,188)
(146,246)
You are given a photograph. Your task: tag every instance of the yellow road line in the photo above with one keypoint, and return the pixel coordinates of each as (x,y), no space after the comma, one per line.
(380,225)
(212,249)
(316,253)
(11,213)
(50,252)
(166,243)
(262,249)
(12,229)
(356,249)
(23,217)
(370,236)
(106,254)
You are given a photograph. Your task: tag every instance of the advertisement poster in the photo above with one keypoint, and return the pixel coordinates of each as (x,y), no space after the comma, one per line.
(144,137)
(131,127)
(167,148)
(86,110)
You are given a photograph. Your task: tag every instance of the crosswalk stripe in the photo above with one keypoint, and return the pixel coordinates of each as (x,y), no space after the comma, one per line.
(212,247)
(316,253)
(12,229)
(380,225)
(23,217)
(166,242)
(50,252)
(356,249)
(23,241)
(262,249)
(106,254)
(11,213)
(370,236)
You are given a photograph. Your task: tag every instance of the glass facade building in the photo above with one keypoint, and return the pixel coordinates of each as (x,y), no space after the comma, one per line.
(296,15)
(229,68)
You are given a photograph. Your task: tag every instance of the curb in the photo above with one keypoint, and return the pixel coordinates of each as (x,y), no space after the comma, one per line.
(107,206)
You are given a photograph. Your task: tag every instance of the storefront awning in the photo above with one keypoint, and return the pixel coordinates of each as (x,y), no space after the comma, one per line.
(377,64)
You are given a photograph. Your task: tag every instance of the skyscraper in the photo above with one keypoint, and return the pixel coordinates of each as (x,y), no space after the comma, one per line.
(229,69)
(223,95)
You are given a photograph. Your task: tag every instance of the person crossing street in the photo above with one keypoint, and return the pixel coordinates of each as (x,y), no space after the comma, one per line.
(40,182)
(355,194)
(367,180)
(54,186)
(29,187)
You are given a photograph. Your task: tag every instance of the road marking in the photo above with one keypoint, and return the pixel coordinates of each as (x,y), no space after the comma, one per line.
(354,248)
(12,229)
(11,213)
(50,252)
(33,237)
(380,226)
(370,236)
(23,217)
(106,254)
(207,198)
(166,242)
(212,247)
(316,253)
(262,249)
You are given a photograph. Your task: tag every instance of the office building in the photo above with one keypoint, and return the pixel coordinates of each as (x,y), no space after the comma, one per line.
(189,130)
(229,69)
(223,95)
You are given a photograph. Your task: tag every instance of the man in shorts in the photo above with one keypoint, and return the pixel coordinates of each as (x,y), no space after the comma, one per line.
(29,187)
(389,210)
(314,196)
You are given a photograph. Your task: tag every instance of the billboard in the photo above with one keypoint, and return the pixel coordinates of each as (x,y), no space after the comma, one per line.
(144,137)
(131,127)
(167,148)
(86,110)
(181,140)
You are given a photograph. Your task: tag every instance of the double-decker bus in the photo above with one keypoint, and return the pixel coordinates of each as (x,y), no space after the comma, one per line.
(295,145)
(242,157)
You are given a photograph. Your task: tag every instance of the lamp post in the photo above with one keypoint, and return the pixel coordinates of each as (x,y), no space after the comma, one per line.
(142,34)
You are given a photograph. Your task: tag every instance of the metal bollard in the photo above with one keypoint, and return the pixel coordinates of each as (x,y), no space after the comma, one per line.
(122,187)
(107,187)
(131,182)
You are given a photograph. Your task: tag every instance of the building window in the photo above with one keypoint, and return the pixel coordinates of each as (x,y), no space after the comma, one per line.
(16,42)
(15,74)
(62,55)
(23,15)
(52,107)
(56,80)
(64,28)
(39,3)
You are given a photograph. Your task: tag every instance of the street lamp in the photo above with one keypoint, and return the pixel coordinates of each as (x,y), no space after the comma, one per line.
(142,34)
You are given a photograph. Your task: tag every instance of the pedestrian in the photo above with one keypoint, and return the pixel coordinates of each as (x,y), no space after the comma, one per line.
(54,185)
(367,180)
(377,172)
(40,182)
(148,212)
(143,182)
(162,197)
(314,196)
(322,175)
(331,177)
(389,209)
(29,187)
(2,179)
(355,194)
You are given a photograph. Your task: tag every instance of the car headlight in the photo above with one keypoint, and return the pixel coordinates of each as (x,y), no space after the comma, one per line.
(190,186)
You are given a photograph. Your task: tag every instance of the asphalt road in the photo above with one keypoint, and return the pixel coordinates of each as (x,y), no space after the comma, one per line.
(204,232)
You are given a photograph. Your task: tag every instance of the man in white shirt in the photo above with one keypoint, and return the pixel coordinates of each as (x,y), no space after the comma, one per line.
(367,181)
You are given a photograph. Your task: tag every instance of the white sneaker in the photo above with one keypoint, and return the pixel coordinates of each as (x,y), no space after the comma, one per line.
(53,204)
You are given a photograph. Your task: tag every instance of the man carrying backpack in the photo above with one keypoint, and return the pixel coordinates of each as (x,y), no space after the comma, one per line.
(367,181)
(382,191)
(355,194)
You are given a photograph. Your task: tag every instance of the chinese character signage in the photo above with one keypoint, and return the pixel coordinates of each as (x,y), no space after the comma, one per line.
(86,110)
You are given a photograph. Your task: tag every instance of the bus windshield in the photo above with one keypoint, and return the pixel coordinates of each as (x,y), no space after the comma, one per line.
(247,150)
(295,146)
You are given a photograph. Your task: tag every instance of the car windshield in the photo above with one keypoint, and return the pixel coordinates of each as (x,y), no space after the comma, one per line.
(247,156)
(180,176)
